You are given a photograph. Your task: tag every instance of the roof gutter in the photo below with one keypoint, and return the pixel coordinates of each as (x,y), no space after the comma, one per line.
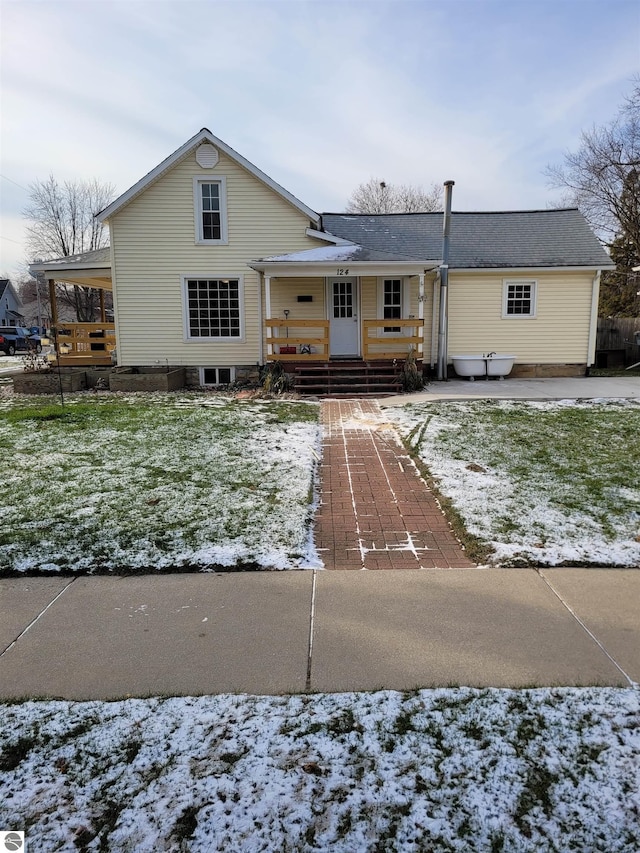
(444,283)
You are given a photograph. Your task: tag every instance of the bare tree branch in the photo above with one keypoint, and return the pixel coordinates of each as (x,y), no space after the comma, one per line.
(602,178)
(377,196)
(63,223)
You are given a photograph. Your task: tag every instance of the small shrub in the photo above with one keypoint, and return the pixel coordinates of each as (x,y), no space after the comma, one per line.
(411,376)
(275,379)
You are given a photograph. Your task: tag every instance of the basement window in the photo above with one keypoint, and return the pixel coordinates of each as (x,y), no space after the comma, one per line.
(519,298)
(216,376)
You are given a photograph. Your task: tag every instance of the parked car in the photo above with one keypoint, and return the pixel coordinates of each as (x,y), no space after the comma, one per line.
(16,338)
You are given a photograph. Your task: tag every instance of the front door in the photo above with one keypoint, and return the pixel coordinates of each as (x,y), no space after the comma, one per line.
(344,329)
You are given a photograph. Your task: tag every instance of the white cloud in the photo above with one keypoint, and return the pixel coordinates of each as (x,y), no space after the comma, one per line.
(321,96)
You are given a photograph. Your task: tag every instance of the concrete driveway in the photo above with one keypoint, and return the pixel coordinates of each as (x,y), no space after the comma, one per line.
(581,388)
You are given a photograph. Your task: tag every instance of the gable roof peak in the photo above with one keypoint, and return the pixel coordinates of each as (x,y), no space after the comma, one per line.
(204,134)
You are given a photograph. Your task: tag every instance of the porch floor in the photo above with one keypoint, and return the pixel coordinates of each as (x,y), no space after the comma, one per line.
(375,510)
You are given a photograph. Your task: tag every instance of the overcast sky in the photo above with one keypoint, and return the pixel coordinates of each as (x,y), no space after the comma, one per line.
(319,95)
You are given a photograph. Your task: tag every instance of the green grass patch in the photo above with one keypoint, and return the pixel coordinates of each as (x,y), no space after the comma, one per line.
(159,483)
(538,483)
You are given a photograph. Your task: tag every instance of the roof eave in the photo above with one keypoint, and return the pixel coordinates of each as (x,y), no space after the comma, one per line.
(541,267)
(326,268)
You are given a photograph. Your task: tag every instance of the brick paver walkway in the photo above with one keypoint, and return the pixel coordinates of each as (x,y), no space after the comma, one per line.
(375,511)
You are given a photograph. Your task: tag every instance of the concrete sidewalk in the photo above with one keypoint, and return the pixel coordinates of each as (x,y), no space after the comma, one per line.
(268,633)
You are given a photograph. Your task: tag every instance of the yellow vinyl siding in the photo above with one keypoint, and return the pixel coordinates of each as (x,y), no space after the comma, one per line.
(154,248)
(557,334)
(284,295)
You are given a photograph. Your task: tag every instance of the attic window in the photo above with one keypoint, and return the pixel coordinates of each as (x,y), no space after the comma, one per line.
(519,298)
(210,201)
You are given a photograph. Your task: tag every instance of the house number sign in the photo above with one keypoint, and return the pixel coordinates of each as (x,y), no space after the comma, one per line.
(342,271)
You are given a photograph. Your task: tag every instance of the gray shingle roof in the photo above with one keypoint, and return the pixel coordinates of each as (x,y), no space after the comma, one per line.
(351,252)
(528,238)
(97,257)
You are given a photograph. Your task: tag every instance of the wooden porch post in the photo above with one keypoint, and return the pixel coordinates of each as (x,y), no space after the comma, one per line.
(54,315)
(267,308)
(103,317)
(52,299)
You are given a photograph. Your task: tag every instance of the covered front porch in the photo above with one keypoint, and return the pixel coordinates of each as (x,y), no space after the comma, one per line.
(342,303)
(80,344)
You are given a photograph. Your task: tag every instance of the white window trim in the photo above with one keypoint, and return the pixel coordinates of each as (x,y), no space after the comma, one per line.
(534,298)
(404,299)
(197,209)
(201,370)
(238,339)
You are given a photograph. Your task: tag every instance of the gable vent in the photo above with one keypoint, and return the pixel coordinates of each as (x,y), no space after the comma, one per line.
(207,156)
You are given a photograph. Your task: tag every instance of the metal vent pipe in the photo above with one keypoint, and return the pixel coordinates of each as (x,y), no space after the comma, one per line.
(444,283)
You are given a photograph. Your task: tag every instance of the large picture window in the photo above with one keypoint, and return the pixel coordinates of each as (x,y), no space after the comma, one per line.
(214,307)
(210,211)
(519,298)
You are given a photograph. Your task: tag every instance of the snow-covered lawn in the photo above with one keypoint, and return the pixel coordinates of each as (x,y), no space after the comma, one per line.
(156,482)
(432,770)
(539,483)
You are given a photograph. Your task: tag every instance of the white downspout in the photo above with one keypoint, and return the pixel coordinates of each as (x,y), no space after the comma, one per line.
(593,324)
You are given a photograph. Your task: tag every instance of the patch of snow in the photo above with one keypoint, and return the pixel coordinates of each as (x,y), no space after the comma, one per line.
(196,482)
(322,253)
(463,770)
(539,517)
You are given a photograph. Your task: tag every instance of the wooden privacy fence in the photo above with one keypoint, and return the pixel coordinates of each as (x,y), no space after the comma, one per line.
(619,338)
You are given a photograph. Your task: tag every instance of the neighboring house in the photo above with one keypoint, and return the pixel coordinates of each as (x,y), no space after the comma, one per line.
(11,310)
(216,267)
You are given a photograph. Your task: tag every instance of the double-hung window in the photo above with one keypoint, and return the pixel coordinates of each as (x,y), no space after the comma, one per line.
(210,199)
(390,303)
(519,298)
(214,308)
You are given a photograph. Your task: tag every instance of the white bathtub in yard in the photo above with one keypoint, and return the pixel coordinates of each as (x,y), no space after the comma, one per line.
(500,365)
(480,365)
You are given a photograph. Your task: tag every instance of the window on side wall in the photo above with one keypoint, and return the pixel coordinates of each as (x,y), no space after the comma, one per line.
(214,308)
(519,298)
(210,199)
